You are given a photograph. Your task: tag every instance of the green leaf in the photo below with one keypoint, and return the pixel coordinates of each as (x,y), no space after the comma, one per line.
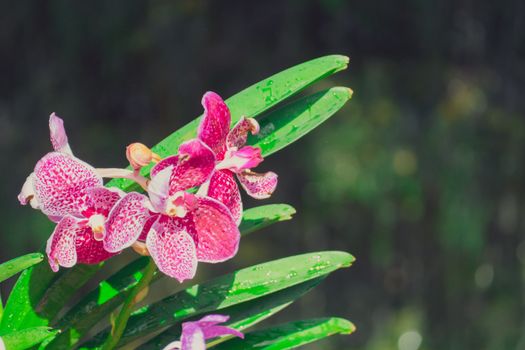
(290,335)
(244,315)
(59,294)
(40,294)
(228,290)
(252,101)
(25,296)
(12,267)
(254,219)
(27,338)
(291,122)
(97,304)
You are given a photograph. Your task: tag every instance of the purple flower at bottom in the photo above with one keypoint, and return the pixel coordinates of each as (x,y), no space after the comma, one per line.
(195,334)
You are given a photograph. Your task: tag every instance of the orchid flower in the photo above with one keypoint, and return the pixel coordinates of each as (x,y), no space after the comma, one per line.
(69,191)
(179,228)
(195,334)
(233,157)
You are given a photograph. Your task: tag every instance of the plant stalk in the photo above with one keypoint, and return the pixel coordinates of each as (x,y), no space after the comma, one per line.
(122,319)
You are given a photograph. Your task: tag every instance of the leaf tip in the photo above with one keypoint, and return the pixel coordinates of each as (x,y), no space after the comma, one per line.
(350,259)
(347,327)
(288,212)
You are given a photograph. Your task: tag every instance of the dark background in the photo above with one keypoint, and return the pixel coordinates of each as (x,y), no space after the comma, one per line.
(420,176)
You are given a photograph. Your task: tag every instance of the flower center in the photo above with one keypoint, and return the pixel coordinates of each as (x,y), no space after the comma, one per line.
(97,224)
(180,203)
(176,205)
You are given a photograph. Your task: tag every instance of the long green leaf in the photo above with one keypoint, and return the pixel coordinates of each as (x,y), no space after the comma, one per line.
(60,293)
(245,315)
(12,267)
(228,290)
(25,296)
(254,219)
(289,123)
(253,101)
(27,338)
(290,335)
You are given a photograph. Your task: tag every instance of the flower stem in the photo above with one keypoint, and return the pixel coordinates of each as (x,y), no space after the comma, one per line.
(122,319)
(124,174)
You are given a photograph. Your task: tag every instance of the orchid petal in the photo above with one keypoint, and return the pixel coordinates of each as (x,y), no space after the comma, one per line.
(158,189)
(217,233)
(239,133)
(210,328)
(163,164)
(246,158)
(215,123)
(147,227)
(27,194)
(195,165)
(125,222)
(222,187)
(192,337)
(212,319)
(174,345)
(61,182)
(102,199)
(58,134)
(89,250)
(219,331)
(258,186)
(172,249)
(61,246)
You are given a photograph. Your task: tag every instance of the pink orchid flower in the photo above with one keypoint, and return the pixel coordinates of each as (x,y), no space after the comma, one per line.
(179,228)
(195,334)
(69,191)
(233,157)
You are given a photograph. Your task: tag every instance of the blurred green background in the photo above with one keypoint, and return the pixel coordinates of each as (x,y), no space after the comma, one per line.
(421,176)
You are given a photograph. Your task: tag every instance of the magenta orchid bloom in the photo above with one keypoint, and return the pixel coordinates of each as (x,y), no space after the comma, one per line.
(179,228)
(195,334)
(233,157)
(69,191)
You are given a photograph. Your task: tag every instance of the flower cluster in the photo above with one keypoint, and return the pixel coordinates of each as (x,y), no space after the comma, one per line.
(191,209)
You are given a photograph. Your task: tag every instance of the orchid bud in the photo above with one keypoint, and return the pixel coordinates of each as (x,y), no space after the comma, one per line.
(140,155)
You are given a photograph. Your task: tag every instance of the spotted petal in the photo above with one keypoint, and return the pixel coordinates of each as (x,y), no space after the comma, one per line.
(61,248)
(89,250)
(61,182)
(163,164)
(125,222)
(102,199)
(217,233)
(258,186)
(239,133)
(172,249)
(222,187)
(58,134)
(215,123)
(195,165)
